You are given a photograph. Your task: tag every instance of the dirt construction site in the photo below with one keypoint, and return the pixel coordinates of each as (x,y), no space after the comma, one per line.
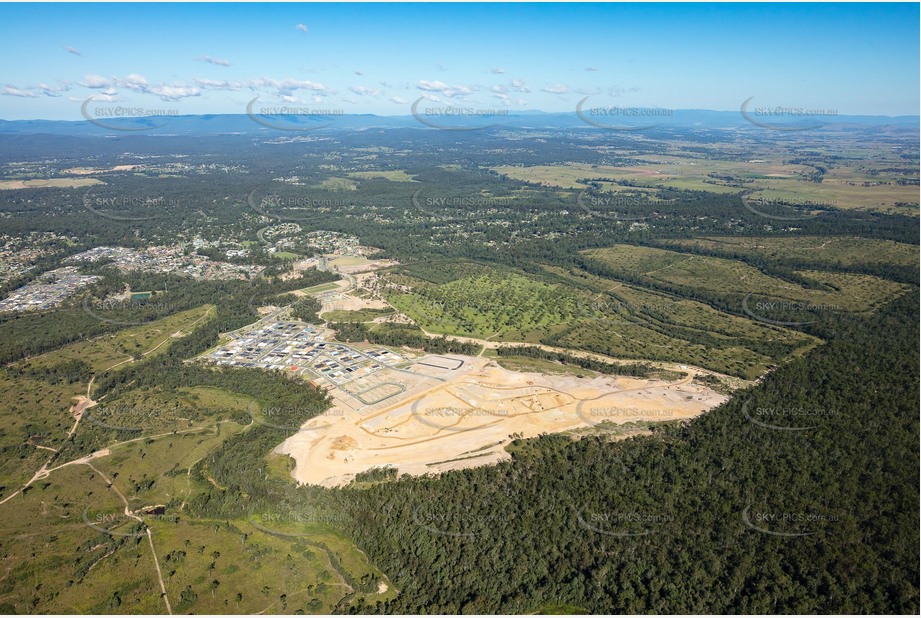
(459,411)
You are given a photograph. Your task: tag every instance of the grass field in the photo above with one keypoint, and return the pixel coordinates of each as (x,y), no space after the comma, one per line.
(498,304)
(135,342)
(845,185)
(847,251)
(360,315)
(846,292)
(580,311)
(37,418)
(645,324)
(334,183)
(394,175)
(88,557)
(322,287)
(689,175)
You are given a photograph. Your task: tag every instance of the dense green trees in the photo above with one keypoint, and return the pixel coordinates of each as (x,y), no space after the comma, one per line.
(688,520)
(306,309)
(691,519)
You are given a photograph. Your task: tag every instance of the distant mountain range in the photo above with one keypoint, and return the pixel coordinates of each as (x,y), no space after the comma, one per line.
(588,119)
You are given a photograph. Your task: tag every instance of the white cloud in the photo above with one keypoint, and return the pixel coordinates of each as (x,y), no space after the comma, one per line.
(281,88)
(218,84)
(95,81)
(73,50)
(12,91)
(358,73)
(518,85)
(133,81)
(588,91)
(557,89)
(498,70)
(215,61)
(287,86)
(591,68)
(398,100)
(365,91)
(174,93)
(32,92)
(443,88)
(301,27)
(53,91)
(391,85)
(619,91)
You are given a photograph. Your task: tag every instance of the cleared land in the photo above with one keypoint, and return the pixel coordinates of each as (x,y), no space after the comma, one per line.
(394,175)
(45,183)
(468,417)
(869,185)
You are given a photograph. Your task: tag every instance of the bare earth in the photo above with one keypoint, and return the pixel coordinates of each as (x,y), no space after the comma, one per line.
(467,412)
(44,183)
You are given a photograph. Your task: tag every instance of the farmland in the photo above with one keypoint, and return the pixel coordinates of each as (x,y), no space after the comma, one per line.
(869,185)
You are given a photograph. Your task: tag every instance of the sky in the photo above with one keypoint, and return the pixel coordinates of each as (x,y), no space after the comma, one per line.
(214,58)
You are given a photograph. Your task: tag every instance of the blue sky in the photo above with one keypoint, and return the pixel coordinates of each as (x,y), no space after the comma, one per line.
(379,58)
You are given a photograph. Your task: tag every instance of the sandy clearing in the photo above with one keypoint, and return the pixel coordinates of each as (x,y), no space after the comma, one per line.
(48,182)
(467,420)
